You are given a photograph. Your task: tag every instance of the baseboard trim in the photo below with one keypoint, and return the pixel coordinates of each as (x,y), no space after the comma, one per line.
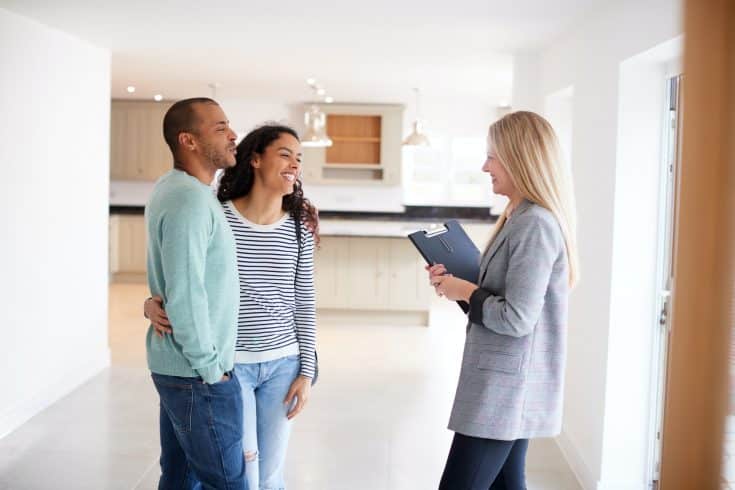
(61,385)
(576,463)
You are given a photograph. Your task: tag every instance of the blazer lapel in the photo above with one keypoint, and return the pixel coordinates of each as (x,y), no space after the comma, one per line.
(499,239)
(497,242)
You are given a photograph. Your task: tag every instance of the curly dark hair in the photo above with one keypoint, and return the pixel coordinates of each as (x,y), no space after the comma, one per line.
(238,180)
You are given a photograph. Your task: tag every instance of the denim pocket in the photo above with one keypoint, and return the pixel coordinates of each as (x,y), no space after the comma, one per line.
(224,387)
(230,377)
(177,399)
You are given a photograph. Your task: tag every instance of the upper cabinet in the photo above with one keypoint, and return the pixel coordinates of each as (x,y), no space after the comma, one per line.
(366,146)
(137,148)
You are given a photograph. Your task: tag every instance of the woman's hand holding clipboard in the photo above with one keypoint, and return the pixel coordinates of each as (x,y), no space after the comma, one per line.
(452,248)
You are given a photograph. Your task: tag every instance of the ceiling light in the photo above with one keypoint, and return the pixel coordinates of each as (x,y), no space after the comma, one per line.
(158,97)
(213,88)
(416,137)
(311,81)
(320,91)
(315,135)
(131,89)
(328,99)
(315,121)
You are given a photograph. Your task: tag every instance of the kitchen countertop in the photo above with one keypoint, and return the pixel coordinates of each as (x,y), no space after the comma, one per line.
(372,228)
(377,225)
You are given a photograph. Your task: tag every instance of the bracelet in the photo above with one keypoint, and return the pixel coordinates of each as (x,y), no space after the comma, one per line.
(144,302)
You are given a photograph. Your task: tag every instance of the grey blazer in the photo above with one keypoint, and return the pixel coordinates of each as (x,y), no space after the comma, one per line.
(512,378)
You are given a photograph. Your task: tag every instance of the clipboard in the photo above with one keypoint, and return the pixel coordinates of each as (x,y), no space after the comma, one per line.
(450,245)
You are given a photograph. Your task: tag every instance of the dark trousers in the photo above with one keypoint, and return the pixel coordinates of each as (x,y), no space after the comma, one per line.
(201,434)
(485,464)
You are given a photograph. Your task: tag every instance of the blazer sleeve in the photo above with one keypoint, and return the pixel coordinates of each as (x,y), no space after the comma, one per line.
(534,247)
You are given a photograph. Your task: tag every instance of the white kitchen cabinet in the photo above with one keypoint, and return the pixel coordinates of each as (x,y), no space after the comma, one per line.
(330,278)
(407,280)
(128,242)
(369,273)
(137,148)
(479,233)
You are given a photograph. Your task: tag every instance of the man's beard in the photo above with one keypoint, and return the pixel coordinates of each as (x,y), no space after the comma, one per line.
(218,159)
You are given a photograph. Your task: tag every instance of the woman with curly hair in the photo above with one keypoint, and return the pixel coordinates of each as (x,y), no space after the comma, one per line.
(275,229)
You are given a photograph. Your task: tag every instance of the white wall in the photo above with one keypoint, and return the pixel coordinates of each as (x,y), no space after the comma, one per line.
(526,73)
(248,112)
(558,111)
(627,431)
(54,154)
(589,59)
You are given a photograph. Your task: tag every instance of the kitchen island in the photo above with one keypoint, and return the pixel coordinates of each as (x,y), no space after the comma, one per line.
(366,270)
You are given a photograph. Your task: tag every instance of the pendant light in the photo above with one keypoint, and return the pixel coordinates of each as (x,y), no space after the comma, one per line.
(416,137)
(213,89)
(315,121)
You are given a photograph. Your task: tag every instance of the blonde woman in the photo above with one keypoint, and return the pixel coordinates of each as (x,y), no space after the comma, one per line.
(511,382)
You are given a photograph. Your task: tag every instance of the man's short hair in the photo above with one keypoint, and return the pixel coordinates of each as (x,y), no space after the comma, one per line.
(181,118)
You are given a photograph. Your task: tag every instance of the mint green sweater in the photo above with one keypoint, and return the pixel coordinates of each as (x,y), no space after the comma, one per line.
(192,265)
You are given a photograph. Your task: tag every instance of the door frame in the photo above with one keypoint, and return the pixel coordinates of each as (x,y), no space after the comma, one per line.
(698,367)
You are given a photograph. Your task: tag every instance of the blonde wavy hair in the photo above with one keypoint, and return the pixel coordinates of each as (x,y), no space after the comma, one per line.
(527,147)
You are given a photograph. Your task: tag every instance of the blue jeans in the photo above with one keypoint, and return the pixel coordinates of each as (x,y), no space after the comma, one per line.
(265,440)
(201,434)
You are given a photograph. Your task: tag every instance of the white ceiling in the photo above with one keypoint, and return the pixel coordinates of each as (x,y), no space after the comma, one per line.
(366,51)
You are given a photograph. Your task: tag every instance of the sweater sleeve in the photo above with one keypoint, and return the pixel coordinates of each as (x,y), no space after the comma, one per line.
(185,235)
(534,247)
(305,311)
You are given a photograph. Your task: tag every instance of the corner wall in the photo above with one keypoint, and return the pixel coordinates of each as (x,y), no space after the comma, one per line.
(54,156)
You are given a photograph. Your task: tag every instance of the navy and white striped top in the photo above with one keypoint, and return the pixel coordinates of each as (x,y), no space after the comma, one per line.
(277,316)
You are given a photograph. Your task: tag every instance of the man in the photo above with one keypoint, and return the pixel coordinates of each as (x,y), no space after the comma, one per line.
(192,265)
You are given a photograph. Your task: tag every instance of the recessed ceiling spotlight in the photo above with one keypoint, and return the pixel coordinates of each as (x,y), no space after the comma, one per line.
(328,99)
(158,97)
(320,91)
(310,81)
(131,89)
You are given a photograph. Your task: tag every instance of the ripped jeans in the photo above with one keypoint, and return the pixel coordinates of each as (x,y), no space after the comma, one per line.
(266,429)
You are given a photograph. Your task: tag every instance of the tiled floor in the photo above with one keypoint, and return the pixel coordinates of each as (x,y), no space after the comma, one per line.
(377,418)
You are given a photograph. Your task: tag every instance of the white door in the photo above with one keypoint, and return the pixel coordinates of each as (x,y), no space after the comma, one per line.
(667,222)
